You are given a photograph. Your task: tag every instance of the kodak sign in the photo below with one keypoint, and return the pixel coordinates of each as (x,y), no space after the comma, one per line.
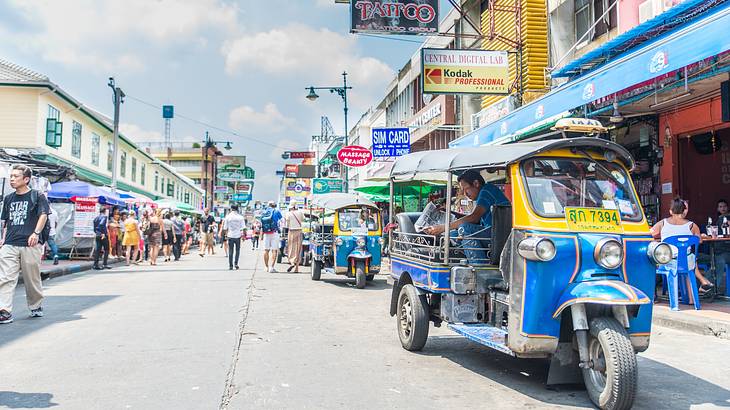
(464,71)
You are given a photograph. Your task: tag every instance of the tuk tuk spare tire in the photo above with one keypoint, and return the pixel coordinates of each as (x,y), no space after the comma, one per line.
(360,279)
(412,316)
(316,272)
(613,385)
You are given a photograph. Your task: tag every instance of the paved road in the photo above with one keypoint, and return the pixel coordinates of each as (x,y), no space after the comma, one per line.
(190,335)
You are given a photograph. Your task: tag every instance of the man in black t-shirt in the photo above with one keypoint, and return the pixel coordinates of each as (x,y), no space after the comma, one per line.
(207,235)
(24,216)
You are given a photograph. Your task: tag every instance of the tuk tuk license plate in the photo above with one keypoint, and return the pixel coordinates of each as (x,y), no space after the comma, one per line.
(593,220)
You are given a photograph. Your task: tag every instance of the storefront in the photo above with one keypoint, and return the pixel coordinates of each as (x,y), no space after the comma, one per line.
(430,126)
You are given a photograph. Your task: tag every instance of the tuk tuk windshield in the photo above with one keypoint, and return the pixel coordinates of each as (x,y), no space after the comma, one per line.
(353,219)
(556,183)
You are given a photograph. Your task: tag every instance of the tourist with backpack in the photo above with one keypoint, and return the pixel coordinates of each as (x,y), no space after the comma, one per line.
(270,229)
(25,231)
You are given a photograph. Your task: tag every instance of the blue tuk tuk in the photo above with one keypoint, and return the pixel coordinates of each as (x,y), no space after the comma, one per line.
(347,239)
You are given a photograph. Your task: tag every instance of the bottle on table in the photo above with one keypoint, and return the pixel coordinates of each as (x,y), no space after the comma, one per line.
(709,229)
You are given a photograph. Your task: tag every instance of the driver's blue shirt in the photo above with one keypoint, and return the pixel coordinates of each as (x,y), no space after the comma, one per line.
(490,195)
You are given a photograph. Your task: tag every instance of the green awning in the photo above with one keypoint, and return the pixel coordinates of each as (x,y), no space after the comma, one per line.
(411,191)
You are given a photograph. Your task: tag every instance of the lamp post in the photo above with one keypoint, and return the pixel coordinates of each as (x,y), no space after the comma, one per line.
(342,92)
(118,96)
(207,143)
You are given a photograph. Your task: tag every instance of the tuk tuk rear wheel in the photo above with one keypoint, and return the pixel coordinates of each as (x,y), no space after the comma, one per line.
(412,314)
(611,382)
(360,279)
(316,268)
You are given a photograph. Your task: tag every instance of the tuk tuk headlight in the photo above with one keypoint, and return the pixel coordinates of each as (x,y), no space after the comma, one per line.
(360,242)
(659,252)
(537,249)
(339,241)
(608,253)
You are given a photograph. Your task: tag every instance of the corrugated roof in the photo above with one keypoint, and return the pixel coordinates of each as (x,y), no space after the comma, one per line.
(16,73)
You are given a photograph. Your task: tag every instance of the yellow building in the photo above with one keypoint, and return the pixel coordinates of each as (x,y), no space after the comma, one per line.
(40,118)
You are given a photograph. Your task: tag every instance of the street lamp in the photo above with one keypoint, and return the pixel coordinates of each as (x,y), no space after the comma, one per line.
(342,92)
(207,143)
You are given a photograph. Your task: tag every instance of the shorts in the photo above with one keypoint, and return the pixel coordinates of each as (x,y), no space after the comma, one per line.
(209,239)
(271,241)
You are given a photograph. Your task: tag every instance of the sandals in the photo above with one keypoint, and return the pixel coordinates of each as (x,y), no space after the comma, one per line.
(706,287)
(290,268)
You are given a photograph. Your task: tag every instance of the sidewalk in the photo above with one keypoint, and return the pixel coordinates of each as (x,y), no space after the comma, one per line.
(713,319)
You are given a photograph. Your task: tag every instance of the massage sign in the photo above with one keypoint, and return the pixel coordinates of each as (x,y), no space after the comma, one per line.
(354,156)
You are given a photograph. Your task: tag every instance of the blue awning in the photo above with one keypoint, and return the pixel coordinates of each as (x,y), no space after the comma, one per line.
(669,20)
(702,39)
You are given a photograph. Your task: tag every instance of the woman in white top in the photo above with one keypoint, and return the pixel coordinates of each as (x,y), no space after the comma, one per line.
(676,225)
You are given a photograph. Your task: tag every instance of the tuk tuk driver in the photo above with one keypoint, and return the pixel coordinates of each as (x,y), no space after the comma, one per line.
(477,225)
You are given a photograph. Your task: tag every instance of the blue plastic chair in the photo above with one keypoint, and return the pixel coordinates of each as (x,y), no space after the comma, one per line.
(677,278)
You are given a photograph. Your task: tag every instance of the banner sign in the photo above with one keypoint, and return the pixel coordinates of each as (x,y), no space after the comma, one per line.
(232,162)
(296,188)
(354,156)
(301,155)
(388,16)
(291,170)
(391,142)
(327,185)
(221,189)
(445,71)
(241,197)
(244,187)
(231,176)
(84,214)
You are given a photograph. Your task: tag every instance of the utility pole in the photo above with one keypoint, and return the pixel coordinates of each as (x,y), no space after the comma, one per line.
(118,97)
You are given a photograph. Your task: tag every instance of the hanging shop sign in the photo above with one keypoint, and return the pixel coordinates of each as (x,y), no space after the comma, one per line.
(301,154)
(231,176)
(221,189)
(296,188)
(232,162)
(84,213)
(291,170)
(327,185)
(249,173)
(445,71)
(391,142)
(241,197)
(244,187)
(354,156)
(390,17)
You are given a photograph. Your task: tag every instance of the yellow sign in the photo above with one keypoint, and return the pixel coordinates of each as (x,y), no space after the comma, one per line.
(593,220)
(447,71)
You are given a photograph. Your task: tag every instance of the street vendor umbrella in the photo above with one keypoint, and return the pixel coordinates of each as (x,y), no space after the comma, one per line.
(70,189)
(411,191)
(136,199)
(180,206)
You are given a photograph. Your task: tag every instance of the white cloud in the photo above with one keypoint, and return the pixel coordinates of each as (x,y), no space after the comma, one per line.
(110,36)
(268,121)
(313,54)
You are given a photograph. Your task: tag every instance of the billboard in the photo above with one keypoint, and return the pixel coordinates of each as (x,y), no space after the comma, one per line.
(232,162)
(391,142)
(326,185)
(445,71)
(387,16)
(296,188)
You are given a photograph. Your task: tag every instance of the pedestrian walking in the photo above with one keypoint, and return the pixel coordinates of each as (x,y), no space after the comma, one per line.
(188,237)
(168,236)
(154,236)
(25,216)
(256,233)
(270,232)
(178,230)
(223,236)
(53,223)
(101,232)
(294,220)
(234,224)
(132,238)
(115,233)
(207,233)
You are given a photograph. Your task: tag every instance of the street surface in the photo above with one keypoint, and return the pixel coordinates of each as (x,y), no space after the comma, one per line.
(194,335)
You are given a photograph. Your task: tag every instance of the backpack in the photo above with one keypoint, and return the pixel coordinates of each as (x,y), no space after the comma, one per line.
(46,231)
(267,221)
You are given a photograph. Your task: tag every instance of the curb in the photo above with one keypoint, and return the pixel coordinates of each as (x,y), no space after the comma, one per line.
(56,272)
(688,323)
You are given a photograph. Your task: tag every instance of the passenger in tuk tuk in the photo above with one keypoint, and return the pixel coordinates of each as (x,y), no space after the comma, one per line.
(365,219)
(475,227)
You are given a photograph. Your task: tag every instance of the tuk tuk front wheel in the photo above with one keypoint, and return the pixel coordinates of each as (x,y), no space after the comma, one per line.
(612,379)
(316,268)
(412,318)
(360,279)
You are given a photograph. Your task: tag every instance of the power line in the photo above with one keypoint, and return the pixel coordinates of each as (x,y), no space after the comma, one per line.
(210,126)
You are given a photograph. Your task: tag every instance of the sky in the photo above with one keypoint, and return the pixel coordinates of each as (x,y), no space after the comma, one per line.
(241,67)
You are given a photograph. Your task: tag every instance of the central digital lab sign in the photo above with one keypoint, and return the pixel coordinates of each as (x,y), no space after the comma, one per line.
(391,142)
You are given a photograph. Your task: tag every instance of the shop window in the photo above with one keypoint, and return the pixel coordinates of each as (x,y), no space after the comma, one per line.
(109,156)
(134,169)
(583,19)
(157,177)
(588,12)
(95,147)
(54,127)
(76,140)
(123,164)
(142,172)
